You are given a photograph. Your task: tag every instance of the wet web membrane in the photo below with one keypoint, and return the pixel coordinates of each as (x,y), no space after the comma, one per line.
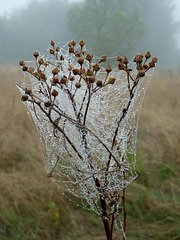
(89,131)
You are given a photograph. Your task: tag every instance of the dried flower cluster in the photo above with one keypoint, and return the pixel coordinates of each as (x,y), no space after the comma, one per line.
(87,118)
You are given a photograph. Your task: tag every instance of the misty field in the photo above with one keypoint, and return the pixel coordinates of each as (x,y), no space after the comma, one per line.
(31,207)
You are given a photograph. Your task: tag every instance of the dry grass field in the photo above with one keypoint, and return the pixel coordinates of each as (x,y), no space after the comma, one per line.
(31,207)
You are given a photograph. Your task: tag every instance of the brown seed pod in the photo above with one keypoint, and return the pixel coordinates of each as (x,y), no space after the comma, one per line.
(139,67)
(125,60)
(108,69)
(145,66)
(89,57)
(24,98)
(119,58)
(154,59)
(89,72)
(77,85)
(147,55)
(61,58)
(140,55)
(99,83)
(138,59)
(80,60)
(71,50)
(43,76)
(54,93)
(120,66)
(52,43)
(51,51)
(24,68)
(70,68)
(55,71)
(31,69)
(77,54)
(40,61)
(103,58)
(28,91)
(55,80)
(91,79)
(63,80)
(151,64)
(141,74)
(73,43)
(76,71)
(47,104)
(57,49)
(96,67)
(111,80)
(72,78)
(35,54)
(21,63)
(81,43)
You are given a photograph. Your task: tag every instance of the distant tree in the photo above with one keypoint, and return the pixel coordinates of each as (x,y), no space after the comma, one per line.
(107,26)
(32,28)
(160,31)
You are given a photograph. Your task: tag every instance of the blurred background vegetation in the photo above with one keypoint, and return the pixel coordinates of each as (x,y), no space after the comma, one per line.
(31,207)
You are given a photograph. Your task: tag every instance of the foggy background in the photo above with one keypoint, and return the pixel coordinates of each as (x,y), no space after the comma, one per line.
(109,28)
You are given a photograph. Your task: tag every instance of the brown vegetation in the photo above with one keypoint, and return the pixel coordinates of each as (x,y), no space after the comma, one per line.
(32,208)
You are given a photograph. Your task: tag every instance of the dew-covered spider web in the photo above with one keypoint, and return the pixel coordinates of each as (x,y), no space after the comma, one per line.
(89,129)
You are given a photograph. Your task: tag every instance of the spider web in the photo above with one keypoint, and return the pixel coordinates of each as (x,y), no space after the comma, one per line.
(77,154)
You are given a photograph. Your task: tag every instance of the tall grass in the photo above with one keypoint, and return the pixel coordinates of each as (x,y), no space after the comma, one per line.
(31,207)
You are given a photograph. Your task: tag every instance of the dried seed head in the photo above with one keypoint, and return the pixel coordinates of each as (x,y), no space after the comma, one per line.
(31,69)
(55,71)
(119,59)
(120,66)
(138,59)
(154,59)
(145,66)
(140,55)
(125,60)
(103,58)
(112,80)
(40,61)
(89,72)
(28,91)
(72,78)
(63,80)
(141,74)
(43,76)
(91,79)
(61,58)
(73,43)
(77,54)
(77,85)
(54,93)
(108,69)
(151,64)
(24,68)
(21,63)
(147,55)
(24,98)
(139,67)
(89,57)
(47,104)
(70,68)
(51,51)
(81,43)
(35,54)
(52,43)
(57,49)
(76,71)
(80,60)
(99,83)
(71,50)
(55,80)
(96,67)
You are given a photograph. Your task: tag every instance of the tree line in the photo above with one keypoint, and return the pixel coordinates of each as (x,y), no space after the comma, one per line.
(115,27)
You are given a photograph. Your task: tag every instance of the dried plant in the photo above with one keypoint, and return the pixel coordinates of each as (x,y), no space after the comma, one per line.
(87,116)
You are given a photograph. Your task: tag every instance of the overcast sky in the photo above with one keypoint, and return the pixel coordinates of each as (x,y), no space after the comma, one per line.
(7,6)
